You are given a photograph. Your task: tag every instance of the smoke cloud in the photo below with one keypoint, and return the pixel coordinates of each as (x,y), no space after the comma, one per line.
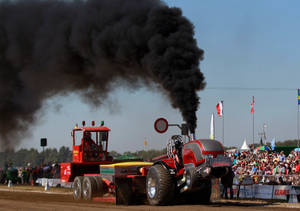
(51,47)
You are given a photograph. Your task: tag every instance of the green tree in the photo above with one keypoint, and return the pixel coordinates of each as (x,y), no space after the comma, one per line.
(114,154)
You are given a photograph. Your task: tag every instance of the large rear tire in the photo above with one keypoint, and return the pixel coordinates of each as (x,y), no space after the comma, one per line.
(160,186)
(89,188)
(77,188)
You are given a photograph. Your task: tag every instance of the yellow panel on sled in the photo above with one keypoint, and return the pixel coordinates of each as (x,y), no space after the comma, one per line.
(128,164)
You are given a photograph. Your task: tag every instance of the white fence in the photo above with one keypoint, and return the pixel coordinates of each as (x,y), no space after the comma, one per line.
(53,182)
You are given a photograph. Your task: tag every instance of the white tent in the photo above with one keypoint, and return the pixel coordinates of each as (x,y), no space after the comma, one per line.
(245,146)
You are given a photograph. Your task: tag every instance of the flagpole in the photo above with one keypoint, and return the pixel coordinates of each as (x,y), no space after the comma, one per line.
(298,117)
(298,124)
(223,123)
(253,122)
(253,129)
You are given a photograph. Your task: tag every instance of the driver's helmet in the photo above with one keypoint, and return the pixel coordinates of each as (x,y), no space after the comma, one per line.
(178,143)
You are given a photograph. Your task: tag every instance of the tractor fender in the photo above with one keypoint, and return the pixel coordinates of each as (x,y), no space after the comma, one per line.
(160,162)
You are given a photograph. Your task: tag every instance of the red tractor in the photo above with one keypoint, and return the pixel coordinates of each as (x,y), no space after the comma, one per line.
(187,169)
(90,144)
(184,172)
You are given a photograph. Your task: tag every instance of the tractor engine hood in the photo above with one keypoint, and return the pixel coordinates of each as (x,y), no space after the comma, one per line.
(207,157)
(196,151)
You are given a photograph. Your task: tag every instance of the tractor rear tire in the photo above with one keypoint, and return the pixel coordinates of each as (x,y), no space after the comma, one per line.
(160,186)
(89,188)
(77,188)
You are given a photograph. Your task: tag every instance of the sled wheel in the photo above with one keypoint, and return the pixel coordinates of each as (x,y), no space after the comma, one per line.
(100,186)
(89,188)
(77,188)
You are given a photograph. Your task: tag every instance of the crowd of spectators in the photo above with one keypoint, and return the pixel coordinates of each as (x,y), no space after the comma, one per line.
(28,174)
(266,167)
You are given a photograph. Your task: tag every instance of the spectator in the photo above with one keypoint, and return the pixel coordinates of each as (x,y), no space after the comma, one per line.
(227,182)
(262,165)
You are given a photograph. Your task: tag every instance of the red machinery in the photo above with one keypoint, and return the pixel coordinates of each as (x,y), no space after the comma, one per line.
(187,169)
(90,146)
(185,172)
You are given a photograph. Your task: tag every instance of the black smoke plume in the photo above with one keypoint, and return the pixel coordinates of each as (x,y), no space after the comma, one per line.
(50,47)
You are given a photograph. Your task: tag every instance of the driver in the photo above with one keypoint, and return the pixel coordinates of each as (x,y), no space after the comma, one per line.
(178,154)
(89,142)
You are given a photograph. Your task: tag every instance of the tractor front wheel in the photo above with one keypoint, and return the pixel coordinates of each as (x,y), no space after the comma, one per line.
(160,186)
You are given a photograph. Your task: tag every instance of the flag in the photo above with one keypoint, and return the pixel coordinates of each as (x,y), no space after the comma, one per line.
(298,96)
(212,127)
(220,108)
(273,144)
(145,143)
(252,105)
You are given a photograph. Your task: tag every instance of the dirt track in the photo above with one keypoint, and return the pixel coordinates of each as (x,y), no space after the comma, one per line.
(28,200)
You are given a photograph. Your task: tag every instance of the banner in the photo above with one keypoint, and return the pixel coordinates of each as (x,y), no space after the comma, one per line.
(252,105)
(263,191)
(212,127)
(281,191)
(219,107)
(258,191)
(246,191)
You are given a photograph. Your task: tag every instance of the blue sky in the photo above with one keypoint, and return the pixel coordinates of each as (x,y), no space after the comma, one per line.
(247,44)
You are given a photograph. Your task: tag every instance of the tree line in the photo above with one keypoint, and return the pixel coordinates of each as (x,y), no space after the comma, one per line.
(32,156)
